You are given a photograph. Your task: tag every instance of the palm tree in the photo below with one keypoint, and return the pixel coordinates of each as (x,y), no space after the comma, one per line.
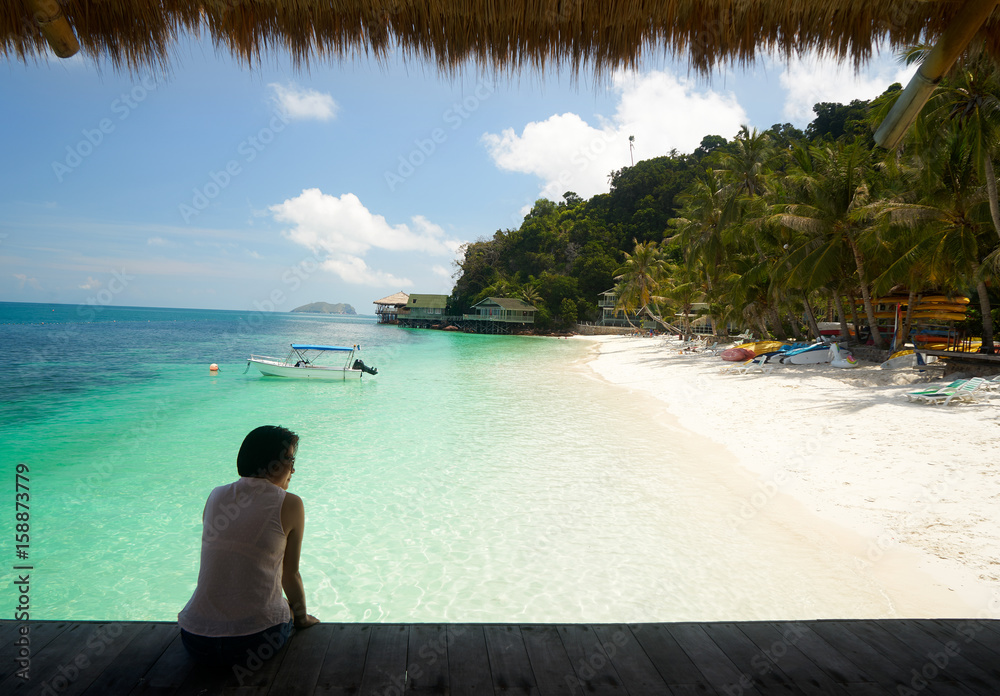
(835,195)
(703,237)
(951,216)
(970,99)
(530,295)
(748,162)
(639,278)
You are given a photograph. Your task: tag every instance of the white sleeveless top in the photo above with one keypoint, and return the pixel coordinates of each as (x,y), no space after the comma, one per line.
(242,547)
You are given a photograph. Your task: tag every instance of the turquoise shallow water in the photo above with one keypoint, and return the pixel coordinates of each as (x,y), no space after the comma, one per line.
(475,478)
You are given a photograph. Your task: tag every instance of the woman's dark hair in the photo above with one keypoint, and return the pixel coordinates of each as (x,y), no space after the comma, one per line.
(262,450)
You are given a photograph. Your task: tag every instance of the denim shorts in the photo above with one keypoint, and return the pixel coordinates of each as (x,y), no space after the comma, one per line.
(232,650)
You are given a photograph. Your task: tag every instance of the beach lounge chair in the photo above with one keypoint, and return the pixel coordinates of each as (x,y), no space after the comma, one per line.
(946,389)
(758,364)
(965,392)
(991,383)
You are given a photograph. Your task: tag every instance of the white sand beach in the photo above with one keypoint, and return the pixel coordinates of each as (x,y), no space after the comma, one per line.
(911,491)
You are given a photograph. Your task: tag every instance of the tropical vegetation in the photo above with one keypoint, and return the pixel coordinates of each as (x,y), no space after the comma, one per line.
(775,230)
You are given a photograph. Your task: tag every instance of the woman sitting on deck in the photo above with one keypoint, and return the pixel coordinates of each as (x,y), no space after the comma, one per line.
(250,544)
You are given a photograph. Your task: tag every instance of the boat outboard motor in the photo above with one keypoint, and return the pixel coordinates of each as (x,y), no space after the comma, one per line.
(360,365)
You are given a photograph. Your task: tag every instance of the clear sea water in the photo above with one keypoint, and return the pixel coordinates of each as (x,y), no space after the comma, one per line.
(475,478)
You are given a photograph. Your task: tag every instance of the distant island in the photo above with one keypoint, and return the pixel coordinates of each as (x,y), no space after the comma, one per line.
(326,308)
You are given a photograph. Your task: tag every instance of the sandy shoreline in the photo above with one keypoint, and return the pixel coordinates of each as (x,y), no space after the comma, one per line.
(912,491)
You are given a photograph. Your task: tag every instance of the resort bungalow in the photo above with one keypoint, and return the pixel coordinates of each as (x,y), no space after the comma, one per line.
(501,315)
(421,311)
(611,316)
(387,309)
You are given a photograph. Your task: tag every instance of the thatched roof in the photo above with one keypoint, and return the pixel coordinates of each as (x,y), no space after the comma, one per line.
(498,36)
(399,299)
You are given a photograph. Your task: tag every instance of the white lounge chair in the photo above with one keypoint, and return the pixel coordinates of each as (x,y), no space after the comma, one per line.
(963,393)
(946,389)
(991,383)
(758,364)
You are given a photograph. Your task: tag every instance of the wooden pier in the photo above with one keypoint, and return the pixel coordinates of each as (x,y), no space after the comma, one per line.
(897,657)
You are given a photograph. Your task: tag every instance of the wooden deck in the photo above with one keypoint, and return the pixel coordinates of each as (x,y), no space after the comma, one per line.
(897,657)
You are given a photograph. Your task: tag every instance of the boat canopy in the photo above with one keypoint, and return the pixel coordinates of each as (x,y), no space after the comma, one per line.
(297,346)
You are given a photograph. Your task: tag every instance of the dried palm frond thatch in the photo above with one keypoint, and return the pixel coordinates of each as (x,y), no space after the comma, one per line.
(497,35)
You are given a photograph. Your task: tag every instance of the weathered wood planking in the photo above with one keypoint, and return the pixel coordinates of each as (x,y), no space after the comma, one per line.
(837,658)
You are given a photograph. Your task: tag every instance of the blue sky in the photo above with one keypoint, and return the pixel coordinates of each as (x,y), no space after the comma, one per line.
(218,186)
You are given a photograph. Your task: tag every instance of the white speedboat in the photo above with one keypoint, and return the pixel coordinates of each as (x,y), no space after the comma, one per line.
(810,355)
(305,362)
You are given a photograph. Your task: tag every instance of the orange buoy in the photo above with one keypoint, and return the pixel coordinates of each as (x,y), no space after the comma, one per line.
(213,368)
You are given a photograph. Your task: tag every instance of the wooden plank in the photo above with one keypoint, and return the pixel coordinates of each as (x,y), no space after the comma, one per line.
(865,664)
(759,669)
(990,635)
(468,661)
(62,663)
(385,664)
(904,674)
(966,637)
(832,659)
(891,670)
(98,654)
(550,663)
(427,660)
(862,658)
(934,663)
(509,664)
(344,662)
(868,689)
(9,631)
(672,662)
(590,658)
(40,634)
(298,672)
(781,648)
(633,666)
(135,660)
(716,667)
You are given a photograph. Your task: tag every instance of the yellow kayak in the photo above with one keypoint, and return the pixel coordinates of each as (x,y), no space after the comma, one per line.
(762,346)
(939,316)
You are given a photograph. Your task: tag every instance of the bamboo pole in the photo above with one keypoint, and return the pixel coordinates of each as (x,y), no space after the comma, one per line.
(950,46)
(55,27)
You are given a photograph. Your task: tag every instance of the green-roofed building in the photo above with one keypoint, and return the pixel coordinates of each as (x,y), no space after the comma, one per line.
(423,310)
(502,315)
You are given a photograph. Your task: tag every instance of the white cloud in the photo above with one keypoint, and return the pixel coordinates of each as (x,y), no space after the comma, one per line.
(298,103)
(811,80)
(23,280)
(346,230)
(91,284)
(157,241)
(662,111)
(440,270)
(356,272)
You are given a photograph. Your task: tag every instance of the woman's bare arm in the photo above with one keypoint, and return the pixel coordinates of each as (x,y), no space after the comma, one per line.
(293,519)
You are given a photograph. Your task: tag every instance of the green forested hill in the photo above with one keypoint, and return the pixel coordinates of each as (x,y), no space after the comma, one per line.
(565,253)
